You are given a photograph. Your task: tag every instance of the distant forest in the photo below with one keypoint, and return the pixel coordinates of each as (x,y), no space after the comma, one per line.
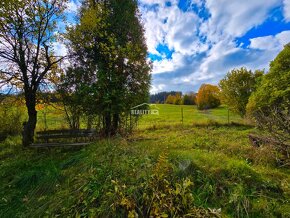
(162,96)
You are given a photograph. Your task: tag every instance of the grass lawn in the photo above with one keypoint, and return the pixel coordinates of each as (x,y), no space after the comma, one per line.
(108,178)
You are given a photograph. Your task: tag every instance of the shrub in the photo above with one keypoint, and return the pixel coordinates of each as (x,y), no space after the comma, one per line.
(269,105)
(208,97)
(11,120)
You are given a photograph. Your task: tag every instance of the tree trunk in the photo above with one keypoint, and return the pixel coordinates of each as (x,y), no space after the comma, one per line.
(107,124)
(89,122)
(115,123)
(29,126)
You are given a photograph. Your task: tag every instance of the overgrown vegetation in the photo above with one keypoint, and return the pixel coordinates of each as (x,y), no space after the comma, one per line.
(122,176)
(269,105)
(11,117)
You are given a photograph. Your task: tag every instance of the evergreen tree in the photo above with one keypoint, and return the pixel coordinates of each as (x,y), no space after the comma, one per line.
(110,40)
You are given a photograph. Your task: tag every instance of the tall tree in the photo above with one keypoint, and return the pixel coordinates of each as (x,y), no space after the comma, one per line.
(207,97)
(189,99)
(237,86)
(110,39)
(27,31)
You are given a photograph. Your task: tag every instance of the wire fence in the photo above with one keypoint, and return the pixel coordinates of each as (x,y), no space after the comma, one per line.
(51,118)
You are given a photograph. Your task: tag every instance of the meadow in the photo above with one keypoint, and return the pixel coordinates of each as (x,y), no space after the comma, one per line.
(53,117)
(228,176)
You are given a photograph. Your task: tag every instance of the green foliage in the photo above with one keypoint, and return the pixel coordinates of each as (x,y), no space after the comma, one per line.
(178,99)
(274,89)
(174,99)
(189,99)
(269,105)
(11,118)
(208,97)
(79,97)
(161,196)
(227,173)
(109,43)
(170,99)
(28,31)
(237,86)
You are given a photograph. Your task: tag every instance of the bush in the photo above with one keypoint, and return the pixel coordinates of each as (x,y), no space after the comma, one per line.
(269,105)
(11,120)
(208,97)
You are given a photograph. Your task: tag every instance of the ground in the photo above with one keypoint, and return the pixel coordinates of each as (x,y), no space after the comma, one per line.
(227,172)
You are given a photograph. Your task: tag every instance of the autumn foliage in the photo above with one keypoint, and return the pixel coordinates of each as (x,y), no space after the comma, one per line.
(174,99)
(207,97)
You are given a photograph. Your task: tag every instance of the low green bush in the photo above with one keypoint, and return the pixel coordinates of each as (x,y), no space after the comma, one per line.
(10,121)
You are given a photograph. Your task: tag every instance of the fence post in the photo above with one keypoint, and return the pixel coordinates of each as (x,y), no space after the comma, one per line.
(182,115)
(228,116)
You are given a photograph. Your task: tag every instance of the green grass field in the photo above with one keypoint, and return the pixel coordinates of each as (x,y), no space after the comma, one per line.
(227,172)
(172,115)
(168,115)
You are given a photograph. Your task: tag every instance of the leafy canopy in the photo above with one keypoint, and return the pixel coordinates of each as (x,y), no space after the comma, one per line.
(237,86)
(208,97)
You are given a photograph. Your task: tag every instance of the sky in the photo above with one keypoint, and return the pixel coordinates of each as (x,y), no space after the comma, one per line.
(191,42)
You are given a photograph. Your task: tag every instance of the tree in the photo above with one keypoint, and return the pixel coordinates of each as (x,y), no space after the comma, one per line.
(110,40)
(178,99)
(27,31)
(170,99)
(78,97)
(189,99)
(207,97)
(269,105)
(237,86)
(162,96)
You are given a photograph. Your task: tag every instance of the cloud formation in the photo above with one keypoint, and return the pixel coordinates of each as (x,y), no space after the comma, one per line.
(201,40)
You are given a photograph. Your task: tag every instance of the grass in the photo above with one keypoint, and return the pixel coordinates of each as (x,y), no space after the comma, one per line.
(172,115)
(168,115)
(226,171)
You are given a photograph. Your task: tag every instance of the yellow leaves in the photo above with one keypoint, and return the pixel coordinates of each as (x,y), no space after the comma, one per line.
(187,183)
(208,97)
(40,107)
(132,214)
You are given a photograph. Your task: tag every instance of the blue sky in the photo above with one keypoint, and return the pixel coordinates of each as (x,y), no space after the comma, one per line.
(192,42)
(198,41)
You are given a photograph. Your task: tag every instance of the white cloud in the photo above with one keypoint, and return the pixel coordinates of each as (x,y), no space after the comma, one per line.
(271,42)
(157,88)
(236,17)
(265,43)
(284,37)
(171,26)
(59,49)
(205,49)
(168,65)
(286,10)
